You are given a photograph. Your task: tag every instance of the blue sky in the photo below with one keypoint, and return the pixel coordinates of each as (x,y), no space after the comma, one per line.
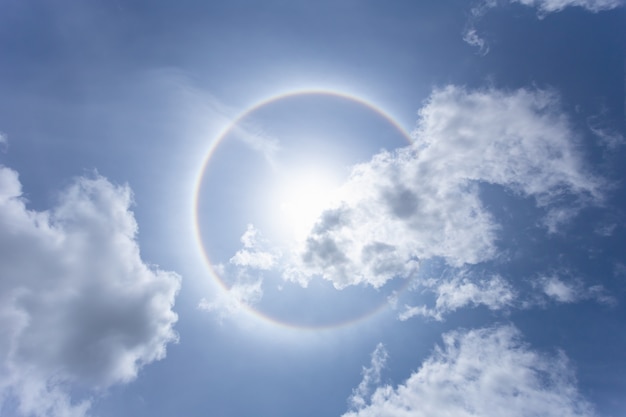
(332,208)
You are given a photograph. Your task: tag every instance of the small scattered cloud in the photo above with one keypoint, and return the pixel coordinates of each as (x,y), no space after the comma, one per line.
(255,252)
(572,290)
(461,291)
(473,37)
(74,283)
(550,6)
(231,302)
(470,33)
(608,136)
(371,378)
(557,217)
(484,372)
(605,229)
(4,142)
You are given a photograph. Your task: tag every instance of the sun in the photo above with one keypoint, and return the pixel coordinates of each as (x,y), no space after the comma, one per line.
(301,196)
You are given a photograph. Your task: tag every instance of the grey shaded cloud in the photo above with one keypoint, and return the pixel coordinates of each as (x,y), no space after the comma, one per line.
(423,201)
(72,281)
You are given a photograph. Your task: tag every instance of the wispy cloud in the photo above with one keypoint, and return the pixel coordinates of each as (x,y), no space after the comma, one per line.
(243,275)
(563,289)
(74,283)
(485,372)
(550,6)
(259,141)
(371,378)
(473,37)
(470,33)
(227,304)
(462,291)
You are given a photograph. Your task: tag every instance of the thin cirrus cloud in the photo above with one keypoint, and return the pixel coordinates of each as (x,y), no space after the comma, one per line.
(550,6)
(570,290)
(544,7)
(483,372)
(97,309)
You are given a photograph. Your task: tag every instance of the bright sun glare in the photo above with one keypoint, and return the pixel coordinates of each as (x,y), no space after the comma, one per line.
(302,196)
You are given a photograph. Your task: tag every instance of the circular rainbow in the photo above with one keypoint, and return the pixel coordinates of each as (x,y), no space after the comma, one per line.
(229,129)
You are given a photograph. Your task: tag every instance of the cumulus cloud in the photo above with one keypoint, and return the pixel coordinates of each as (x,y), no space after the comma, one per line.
(423,201)
(485,372)
(79,309)
(494,293)
(255,252)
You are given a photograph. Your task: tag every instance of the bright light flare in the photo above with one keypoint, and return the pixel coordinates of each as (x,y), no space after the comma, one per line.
(302,195)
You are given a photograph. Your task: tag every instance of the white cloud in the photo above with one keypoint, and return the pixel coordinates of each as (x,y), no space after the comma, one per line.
(470,33)
(230,303)
(259,141)
(572,290)
(78,307)
(550,6)
(461,291)
(607,134)
(472,36)
(371,378)
(423,201)
(486,372)
(243,275)
(255,253)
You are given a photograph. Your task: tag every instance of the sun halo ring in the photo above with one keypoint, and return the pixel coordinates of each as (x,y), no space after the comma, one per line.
(379,111)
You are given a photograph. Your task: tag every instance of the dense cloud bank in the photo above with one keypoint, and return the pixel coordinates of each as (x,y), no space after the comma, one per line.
(78,306)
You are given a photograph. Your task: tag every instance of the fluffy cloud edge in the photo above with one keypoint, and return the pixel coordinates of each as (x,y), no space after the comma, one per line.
(73,280)
(483,372)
